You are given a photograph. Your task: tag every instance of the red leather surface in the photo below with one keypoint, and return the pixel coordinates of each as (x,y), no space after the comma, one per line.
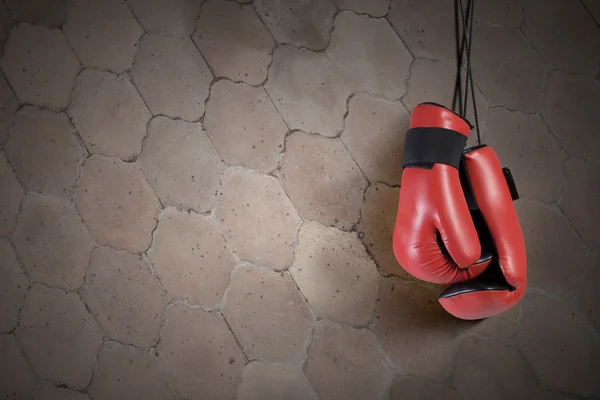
(495,202)
(433,200)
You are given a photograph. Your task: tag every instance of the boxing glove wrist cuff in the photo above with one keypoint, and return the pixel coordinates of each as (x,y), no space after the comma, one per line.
(425,147)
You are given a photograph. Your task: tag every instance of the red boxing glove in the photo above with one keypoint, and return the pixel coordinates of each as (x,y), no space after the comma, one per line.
(490,191)
(434,237)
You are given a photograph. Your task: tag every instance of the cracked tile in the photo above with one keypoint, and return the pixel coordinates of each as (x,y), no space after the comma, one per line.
(590,296)
(234,41)
(569,115)
(411,388)
(508,71)
(51,392)
(594,8)
(559,345)
(103,33)
(125,296)
(13,286)
(207,368)
(274,382)
(171,76)
(191,257)
(376,226)
(581,197)
(44,151)
(375,8)
(52,242)
(336,275)
(432,80)
(429,335)
(501,327)
(495,365)
(378,153)
(181,164)
(10,201)
(260,302)
(369,55)
(244,126)
(175,17)
(344,363)
(17,379)
(59,337)
(128,372)
(322,180)
(307,91)
(534,156)
(427,28)
(8,106)
(6,23)
(50,13)
(106,129)
(501,13)
(117,203)
(40,65)
(302,23)
(564,34)
(257,218)
(551,244)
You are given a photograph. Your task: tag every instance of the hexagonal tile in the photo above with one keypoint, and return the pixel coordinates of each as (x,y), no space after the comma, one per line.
(335,274)
(181,164)
(564,34)
(273,381)
(506,13)
(171,76)
(59,337)
(103,33)
(567,112)
(50,13)
(207,368)
(244,125)
(51,392)
(117,203)
(429,335)
(375,8)
(374,135)
(494,365)
(191,257)
(593,7)
(560,345)
(502,327)
(106,129)
(234,41)
(508,71)
(6,23)
(369,55)
(322,180)
(344,363)
(556,256)
(307,91)
(589,296)
(40,65)
(125,296)
(304,23)
(432,80)
(581,196)
(426,28)
(128,372)
(44,150)
(52,242)
(12,194)
(17,379)
(376,226)
(13,286)
(411,388)
(175,17)
(257,218)
(8,107)
(260,302)
(523,144)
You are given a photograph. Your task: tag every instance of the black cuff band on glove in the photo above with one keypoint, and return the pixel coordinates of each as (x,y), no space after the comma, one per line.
(425,147)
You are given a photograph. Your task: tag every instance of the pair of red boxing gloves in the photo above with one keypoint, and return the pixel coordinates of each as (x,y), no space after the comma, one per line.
(456,222)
